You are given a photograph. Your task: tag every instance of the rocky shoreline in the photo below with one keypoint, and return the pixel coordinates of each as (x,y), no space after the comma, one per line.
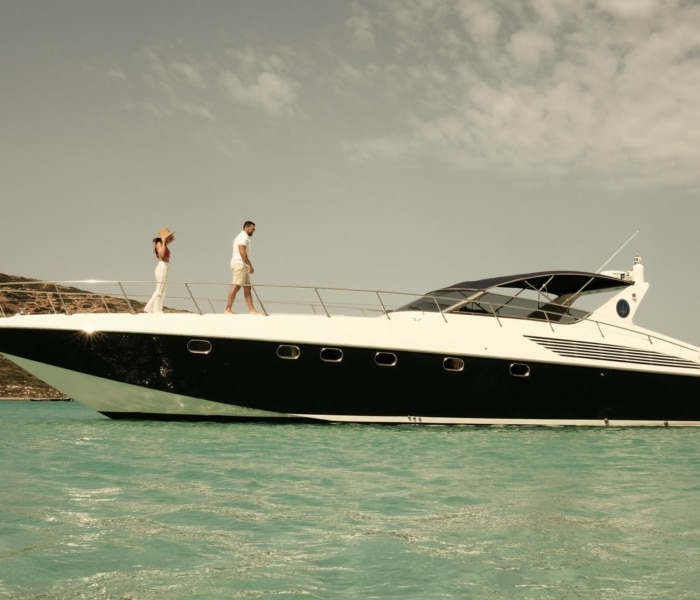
(61,399)
(34,297)
(17,384)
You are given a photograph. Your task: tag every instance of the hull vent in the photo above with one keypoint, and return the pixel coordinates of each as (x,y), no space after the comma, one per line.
(610,352)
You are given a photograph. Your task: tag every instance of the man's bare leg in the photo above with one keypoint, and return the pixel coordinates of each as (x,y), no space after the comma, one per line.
(248,295)
(231,297)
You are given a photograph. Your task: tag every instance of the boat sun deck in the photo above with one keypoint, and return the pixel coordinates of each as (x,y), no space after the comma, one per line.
(554,297)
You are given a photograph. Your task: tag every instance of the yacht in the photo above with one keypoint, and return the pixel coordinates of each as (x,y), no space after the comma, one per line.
(549,348)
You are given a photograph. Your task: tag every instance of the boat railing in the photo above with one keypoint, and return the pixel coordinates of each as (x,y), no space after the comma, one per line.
(40,297)
(64,297)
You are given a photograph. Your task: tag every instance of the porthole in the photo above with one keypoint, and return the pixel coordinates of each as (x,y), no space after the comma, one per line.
(199,346)
(385,359)
(519,370)
(331,354)
(288,352)
(450,363)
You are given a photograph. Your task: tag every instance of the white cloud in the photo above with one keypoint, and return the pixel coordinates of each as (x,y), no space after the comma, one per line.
(195,110)
(160,112)
(361,28)
(268,91)
(636,9)
(249,62)
(534,87)
(258,80)
(190,73)
(350,73)
(116,74)
(548,12)
(174,87)
(480,20)
(378,148)
(545,87)
(156,75)
(530,48)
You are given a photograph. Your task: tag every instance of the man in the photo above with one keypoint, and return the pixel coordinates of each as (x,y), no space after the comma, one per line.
(242,269)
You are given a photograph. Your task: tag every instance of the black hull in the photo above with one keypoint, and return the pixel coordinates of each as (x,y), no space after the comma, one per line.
(251,374)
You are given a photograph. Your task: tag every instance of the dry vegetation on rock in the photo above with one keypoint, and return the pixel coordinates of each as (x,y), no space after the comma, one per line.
(29,296)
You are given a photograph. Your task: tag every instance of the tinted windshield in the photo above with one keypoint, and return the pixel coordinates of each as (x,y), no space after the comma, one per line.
(488,303)
(435,303)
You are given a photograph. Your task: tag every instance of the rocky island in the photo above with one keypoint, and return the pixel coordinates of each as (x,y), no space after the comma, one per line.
(22,295)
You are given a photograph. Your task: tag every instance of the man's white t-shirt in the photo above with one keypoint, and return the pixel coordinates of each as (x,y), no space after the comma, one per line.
(242,239)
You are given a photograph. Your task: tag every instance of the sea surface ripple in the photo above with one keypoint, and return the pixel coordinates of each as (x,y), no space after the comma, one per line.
(97,509)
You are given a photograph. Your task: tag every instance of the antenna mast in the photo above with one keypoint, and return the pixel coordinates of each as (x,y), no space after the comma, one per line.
(617,252)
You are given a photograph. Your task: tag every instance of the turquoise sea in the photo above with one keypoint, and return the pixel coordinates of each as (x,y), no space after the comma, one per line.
(93,508)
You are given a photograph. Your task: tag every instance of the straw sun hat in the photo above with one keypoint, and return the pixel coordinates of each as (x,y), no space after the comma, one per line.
(163,234)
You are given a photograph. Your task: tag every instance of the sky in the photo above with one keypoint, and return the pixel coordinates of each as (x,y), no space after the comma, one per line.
(403,145)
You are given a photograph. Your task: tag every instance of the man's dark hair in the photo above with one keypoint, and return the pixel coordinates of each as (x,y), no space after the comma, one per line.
(247,223)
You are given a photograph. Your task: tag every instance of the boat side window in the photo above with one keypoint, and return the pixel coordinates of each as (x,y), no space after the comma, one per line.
(288,352)
(519,370)
(199,346)
(385,359)
(450,363)
(331,354)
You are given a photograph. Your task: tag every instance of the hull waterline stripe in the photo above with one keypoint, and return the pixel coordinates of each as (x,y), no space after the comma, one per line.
(414,420)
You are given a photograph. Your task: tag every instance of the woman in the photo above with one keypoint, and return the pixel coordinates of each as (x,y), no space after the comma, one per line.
(160,247)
